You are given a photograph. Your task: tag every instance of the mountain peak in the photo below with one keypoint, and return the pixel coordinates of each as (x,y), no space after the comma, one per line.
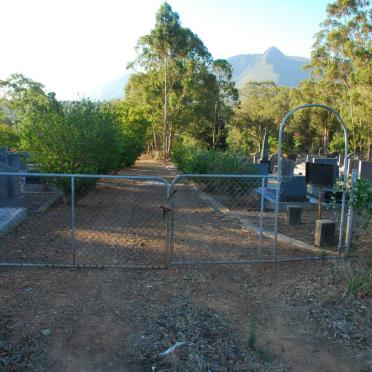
(271,65)
(273,52)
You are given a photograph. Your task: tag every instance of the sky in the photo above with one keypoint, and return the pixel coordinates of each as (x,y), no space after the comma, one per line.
(74,47)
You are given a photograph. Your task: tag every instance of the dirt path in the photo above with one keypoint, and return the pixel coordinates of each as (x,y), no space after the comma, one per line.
(95,320)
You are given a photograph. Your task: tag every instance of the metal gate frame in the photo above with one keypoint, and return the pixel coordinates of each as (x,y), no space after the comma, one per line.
(346,162)
(72,178)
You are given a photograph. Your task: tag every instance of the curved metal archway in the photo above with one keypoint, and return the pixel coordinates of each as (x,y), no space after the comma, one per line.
(346,163)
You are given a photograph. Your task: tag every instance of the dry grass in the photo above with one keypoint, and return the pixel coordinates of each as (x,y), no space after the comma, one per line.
(207,342)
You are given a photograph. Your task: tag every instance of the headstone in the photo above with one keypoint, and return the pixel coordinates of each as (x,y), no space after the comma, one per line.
(265,147)
(14,160)
(287,167)
(325,233)
(263,168)
(365,170)
(331,161)
(369,153)
(10,191)
(293,189)
(293,215)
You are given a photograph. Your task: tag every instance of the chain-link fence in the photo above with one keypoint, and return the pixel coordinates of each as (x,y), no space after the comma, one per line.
(96,220)
(133,221)
(238,219)
(220,219)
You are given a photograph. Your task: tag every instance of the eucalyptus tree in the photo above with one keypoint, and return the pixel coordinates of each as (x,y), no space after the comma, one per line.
(342,61)
(171,52)
(263,106)
(226,99)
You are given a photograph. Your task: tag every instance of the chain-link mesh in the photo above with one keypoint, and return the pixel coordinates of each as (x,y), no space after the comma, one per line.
(219,219)
(35,221)
(122,223)
(299,209)
(130,221)
(75,221)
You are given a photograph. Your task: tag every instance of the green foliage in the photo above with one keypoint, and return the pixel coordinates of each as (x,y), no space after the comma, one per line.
(263,106)
(133,126)
(83,137)
(8,136)
(181,90)
(363,200)
(360,283)
(193,160)
(341,66)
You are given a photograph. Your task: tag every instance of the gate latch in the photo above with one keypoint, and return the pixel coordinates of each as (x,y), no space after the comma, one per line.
(165,210)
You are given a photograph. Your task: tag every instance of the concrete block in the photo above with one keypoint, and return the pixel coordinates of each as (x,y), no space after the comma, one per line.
(10,218)
(293,215)
(325,233)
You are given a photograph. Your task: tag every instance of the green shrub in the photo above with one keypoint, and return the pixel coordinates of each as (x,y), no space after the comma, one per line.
(83,137)
(8,136)
(197,161)
(192,160)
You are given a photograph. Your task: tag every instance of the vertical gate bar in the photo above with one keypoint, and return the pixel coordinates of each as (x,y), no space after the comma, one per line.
(276,218)
(342,218)
(350,217)
(171,223)
(261,216)
(73,222)
(168,227)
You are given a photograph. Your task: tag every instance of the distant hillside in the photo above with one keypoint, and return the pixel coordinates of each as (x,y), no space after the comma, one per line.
(271,65)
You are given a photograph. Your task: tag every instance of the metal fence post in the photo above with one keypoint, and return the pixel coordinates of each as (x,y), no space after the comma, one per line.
(261,216)
(350,216)
(73,221)
(276,217)
(169,224)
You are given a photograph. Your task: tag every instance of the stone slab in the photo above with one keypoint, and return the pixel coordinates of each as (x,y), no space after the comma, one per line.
(293,215)
(10,218)
(365,170)
(325,233)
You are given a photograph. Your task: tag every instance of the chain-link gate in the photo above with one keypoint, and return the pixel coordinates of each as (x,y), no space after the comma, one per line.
(115,221)
(240,219)
(147,222)
(220,219)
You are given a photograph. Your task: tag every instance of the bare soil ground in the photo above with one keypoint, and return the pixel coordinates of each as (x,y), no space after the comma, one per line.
(285,317)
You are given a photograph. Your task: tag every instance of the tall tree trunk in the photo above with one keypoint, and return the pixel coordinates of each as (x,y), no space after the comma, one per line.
(215,123)
(165,114)
(155,142)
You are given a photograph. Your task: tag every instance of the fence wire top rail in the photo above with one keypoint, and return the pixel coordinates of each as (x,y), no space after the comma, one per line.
(78,175)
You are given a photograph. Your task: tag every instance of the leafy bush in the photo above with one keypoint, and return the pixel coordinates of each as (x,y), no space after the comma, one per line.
(8,136)
(83,137)
(196,161)
(363,200)
(192,160)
